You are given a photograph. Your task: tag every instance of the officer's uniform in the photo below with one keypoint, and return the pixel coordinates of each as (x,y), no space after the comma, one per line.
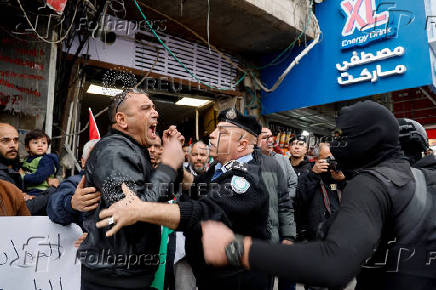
(234,194)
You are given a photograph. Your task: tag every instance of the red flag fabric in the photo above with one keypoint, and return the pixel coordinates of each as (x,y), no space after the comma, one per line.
(93,130)
(57,5)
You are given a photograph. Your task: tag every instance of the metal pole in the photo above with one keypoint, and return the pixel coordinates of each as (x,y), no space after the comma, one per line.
(51,86)
(196,124)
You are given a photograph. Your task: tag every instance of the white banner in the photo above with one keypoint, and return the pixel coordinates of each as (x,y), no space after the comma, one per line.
(37,254)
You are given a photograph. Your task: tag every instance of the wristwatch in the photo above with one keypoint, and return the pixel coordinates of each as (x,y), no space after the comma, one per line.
(235,250)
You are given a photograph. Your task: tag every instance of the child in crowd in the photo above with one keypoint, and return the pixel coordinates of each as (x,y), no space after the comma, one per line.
(38,167)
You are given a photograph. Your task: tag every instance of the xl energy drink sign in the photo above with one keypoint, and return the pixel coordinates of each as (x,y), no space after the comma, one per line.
(368,47)
(364,23)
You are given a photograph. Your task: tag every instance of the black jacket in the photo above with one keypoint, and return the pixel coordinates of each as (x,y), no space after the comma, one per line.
(11,174)
(244,212)
(426,162)
(117,159)
(311,208)
(368,142)
(303,168)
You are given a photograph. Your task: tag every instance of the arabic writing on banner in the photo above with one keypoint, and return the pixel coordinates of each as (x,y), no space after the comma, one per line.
(36,254)
(366,58)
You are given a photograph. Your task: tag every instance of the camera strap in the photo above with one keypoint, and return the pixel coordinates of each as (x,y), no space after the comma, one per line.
(326,198)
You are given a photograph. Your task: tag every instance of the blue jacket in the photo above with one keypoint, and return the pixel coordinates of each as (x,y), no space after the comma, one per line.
(59,208)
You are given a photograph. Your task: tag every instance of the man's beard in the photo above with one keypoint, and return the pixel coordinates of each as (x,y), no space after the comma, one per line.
(199,170)
(15,163)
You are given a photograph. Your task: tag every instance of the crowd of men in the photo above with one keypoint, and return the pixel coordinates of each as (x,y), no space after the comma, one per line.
(243,213)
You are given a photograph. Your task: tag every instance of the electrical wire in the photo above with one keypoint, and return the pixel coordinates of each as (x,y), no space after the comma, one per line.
(41,37)
(208,24)
(177,59)
(280,79)
(290,47)
(296,60)
(196,35)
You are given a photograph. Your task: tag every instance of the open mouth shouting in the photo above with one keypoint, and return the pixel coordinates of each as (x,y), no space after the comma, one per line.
(152,130)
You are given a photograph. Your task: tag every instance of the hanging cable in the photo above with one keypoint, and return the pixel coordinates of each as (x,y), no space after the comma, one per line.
(297,59)
(208,24)
(176,58)
(280,79)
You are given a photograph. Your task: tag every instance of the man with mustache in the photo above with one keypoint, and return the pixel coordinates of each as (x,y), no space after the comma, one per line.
(155,151)
(198,158)
(129,259)
(11,196)
(9,159)
(232,192)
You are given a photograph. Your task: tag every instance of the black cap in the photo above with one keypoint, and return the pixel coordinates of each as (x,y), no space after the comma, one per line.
(298,138)
(248,123)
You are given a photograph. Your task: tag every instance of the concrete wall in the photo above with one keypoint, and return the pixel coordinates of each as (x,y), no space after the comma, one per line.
(291,12)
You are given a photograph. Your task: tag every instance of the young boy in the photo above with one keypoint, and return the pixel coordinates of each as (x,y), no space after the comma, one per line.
(38,166)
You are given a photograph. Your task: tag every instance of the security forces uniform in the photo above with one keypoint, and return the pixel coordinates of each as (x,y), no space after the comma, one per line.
(234,194)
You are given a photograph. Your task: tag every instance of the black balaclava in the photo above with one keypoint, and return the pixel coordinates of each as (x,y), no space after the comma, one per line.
(369,135)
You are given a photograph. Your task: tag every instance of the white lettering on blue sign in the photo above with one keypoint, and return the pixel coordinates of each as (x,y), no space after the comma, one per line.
(363,22)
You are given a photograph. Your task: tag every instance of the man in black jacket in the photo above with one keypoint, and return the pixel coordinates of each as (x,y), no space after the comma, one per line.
(382,225)
(129,259)
(233,193)
(318,194)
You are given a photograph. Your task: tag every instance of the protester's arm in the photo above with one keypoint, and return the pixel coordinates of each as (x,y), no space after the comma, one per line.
(45,168)
(131,210)
(69,200)
(333,262)
(59,208)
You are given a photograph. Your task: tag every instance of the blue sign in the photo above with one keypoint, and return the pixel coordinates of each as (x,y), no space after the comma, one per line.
(367,47)
(365,23)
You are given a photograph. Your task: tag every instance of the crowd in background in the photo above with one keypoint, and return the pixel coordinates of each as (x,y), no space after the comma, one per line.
(303,192)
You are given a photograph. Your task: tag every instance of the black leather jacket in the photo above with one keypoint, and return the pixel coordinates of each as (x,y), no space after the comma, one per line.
(11,174)
(131,256)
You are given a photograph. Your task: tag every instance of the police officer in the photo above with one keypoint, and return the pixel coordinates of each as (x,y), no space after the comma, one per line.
(233,194)
(414,143)
(385,223)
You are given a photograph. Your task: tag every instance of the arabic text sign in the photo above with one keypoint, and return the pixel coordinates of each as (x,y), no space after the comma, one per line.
(367,58)
(38,254)
(330,74)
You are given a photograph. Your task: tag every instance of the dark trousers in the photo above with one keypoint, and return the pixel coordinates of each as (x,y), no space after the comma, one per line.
(286,285)
(86,285)
(247,280)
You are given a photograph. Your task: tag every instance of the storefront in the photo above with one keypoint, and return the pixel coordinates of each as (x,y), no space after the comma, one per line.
(133,57)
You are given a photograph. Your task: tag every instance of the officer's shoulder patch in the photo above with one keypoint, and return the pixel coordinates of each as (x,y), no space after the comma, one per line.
(235,165)
(239,184)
